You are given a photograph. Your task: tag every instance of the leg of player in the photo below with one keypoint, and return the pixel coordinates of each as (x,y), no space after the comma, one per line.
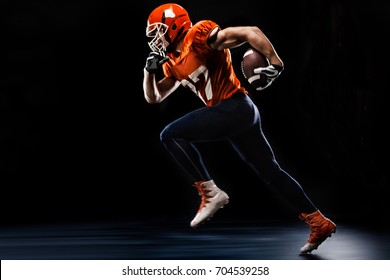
(232,116)
(254,148)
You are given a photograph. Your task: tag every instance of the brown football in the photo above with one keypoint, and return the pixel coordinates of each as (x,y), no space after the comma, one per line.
(251,60)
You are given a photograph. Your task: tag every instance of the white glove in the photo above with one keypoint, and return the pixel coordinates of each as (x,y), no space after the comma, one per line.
(271,72)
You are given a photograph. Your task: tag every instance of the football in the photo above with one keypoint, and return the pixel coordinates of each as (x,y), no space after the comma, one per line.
(251,60)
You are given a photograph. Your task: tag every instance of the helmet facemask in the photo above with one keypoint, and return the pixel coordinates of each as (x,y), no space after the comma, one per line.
(157,32)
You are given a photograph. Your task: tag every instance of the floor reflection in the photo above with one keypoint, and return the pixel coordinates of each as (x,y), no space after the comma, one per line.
(150,240)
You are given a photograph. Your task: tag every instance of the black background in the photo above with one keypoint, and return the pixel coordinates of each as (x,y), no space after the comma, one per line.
(79,142)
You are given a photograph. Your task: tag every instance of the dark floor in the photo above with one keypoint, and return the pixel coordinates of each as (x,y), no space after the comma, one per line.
(146,240)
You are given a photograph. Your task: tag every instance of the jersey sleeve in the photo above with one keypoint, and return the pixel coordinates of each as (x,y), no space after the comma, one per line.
(202,32)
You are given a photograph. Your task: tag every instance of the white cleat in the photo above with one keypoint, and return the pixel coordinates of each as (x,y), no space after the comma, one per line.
(212,199)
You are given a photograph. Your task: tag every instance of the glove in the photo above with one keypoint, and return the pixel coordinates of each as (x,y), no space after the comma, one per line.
(154,62)
(271,72)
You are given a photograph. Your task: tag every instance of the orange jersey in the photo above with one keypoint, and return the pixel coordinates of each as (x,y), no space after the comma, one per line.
(207,72)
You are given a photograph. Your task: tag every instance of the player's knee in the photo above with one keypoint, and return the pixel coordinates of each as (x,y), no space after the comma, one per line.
(165,135)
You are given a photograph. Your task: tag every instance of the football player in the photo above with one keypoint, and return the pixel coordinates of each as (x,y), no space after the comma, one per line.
(197,56)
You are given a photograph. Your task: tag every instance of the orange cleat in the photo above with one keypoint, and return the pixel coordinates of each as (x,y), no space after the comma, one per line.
(320,229)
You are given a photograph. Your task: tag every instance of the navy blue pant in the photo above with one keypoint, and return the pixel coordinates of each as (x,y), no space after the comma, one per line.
(238,121)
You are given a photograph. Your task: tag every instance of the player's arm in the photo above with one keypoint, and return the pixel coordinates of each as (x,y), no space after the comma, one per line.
(155,91)
(235,36)
(232,37)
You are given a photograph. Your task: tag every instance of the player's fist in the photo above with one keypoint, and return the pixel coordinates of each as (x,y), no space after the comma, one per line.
(271,72)
(154,62)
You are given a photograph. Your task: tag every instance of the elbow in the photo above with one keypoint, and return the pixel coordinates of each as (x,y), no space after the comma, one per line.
(150,101)
(153,100)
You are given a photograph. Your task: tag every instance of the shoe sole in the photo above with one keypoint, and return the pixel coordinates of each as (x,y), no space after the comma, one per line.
(209,218)
(315,248)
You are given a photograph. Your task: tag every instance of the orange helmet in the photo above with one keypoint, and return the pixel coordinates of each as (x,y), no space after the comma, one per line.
(166,25)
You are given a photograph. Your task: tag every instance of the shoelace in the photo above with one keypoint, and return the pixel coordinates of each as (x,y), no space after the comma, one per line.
(203,194)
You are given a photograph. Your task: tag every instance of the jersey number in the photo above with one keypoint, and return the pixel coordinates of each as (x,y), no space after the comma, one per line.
(201,74)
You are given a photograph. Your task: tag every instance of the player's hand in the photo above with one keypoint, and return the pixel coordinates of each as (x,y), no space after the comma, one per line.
(271,72)
(154,62)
